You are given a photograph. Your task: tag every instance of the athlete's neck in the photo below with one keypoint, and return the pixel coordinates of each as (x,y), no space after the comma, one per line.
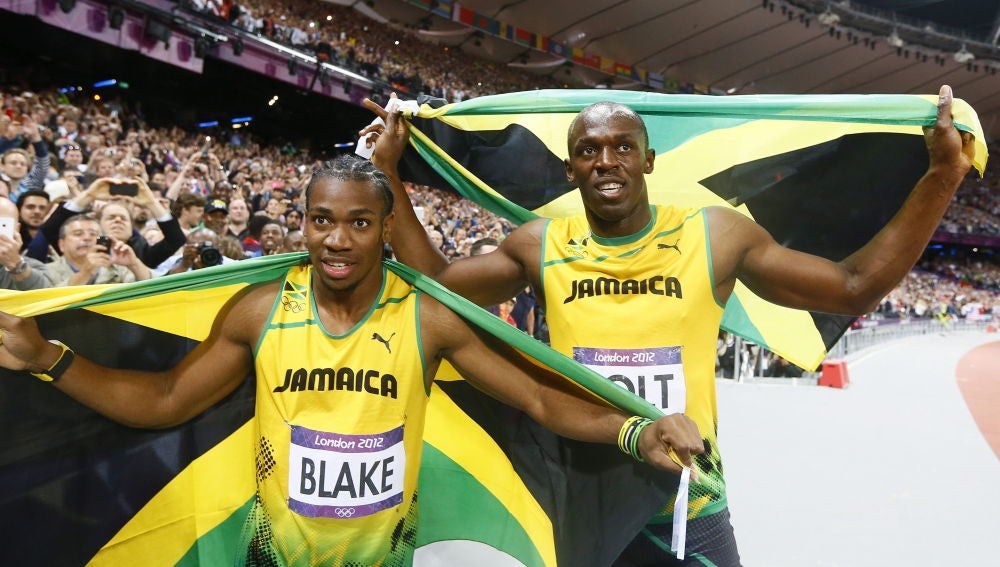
(635,222)
(340,309)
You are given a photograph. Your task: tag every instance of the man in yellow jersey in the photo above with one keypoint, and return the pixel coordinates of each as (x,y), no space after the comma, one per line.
(656,278)
(344,353)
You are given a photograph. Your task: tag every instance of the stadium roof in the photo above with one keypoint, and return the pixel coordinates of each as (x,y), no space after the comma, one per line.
(756,46)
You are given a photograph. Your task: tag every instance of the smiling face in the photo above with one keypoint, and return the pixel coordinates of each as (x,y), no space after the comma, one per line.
(271,237)
(608,161)
(346,227)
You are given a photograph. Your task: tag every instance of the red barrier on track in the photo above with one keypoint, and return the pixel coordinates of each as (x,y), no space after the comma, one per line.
(834,374)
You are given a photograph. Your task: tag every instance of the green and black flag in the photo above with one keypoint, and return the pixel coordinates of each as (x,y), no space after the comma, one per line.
(821,173)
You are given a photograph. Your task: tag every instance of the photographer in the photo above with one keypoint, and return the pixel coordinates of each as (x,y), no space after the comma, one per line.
(115,219)
(201,251)
(90,258)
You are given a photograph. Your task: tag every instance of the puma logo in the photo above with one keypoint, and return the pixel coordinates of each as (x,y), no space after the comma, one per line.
(661,246)
(378,337)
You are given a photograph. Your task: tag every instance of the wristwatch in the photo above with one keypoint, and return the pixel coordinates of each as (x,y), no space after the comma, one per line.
(20,268)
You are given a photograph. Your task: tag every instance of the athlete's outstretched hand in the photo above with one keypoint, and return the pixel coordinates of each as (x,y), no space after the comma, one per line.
(675,433)
(23,347)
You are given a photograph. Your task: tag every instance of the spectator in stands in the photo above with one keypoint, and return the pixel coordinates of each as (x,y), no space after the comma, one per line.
(73,159)
(100,166)
(293,219)
(17,272)
(294,241)
(32,207)
(523,311)
(188,208)
(215,215)
(85,261)
(17,167)
(271,238)
(200,251)
(116,221)
(437,239)
(239,216)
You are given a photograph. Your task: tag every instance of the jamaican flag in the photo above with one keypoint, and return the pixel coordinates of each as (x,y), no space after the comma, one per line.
(821,173)
(495,489)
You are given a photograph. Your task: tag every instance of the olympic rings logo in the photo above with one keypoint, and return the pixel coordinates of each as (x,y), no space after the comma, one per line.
(293,306)
(345,512)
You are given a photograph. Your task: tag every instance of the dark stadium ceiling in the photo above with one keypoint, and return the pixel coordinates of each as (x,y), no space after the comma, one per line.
(754,46)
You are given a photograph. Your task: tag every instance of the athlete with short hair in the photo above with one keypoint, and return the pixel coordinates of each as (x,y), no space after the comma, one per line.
(344,353)
(636,292)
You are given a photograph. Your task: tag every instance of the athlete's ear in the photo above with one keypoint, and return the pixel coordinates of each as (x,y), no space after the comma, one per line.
(569,171)
(650,157)
(387,226)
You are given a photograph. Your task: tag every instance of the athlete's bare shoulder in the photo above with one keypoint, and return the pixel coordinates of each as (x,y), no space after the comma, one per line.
(524,244)
(245,314)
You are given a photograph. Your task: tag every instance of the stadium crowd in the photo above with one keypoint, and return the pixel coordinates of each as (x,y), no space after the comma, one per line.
(171,200)
(394,54)
(976,209)
(63,157)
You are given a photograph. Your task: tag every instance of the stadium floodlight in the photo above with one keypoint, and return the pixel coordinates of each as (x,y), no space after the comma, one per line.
(828,18)
(894,39)
(963,55)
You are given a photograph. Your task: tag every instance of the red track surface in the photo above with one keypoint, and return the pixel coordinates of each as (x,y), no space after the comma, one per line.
(978,375)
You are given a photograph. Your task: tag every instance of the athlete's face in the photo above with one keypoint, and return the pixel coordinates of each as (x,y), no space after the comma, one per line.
(608,159)
(346,228)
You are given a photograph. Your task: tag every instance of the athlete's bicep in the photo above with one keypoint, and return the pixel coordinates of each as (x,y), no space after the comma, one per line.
(744,250)
(223,360)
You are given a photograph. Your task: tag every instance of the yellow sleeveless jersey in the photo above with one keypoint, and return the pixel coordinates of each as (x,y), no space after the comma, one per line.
(641,310)
(339,432)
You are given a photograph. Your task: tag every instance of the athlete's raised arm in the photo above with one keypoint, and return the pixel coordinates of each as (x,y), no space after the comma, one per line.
(410,242)
(743,250)
(486,280)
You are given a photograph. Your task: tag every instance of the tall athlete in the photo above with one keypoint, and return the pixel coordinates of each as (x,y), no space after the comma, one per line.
(344,353)
(636,292)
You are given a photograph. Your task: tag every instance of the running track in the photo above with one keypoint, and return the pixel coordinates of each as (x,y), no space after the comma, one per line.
(894,470)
